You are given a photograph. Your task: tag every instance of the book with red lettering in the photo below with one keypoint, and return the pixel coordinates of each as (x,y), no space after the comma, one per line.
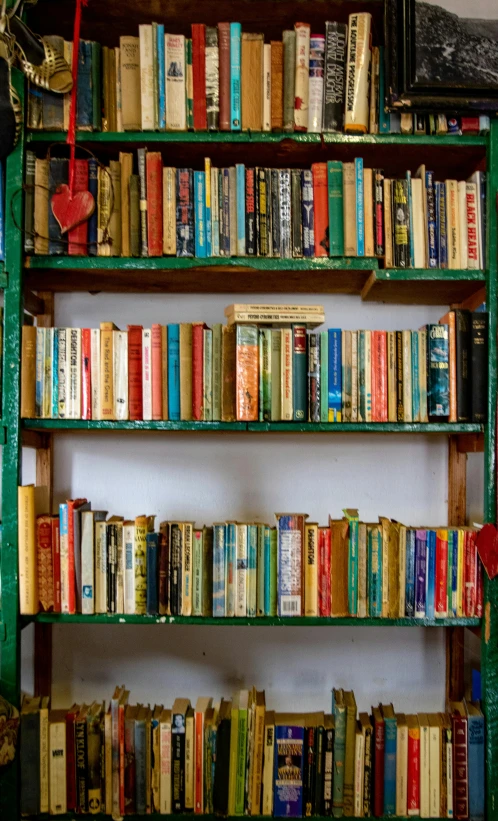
(199,74)
(86,379)
(460,760)
(379,376)
(441,585)
(44,562)
(154,172)
(157,382)
(324,549)
(56,563)
(72,506)
(413,776)
(78,236)
(379,739)
(197,369)
(135,402)
(470,573)
(320,209)
(224,63)
(71,799)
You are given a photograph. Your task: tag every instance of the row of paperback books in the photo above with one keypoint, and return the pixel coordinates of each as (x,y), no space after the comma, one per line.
(331,209)
(275,372)
(80,561)
(236,757)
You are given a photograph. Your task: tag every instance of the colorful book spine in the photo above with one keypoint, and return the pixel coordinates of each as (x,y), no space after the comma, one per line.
(438,388)
(174,372)
(200,213)
(441,225)
(360,208)
(235,63)
(299,380)
(390,738)
(208,207)
(336,207)
(241,209)
(335,375)
(307,213)
(375,571)
(161,77)
(219,571)
(420,572)
(410,574)
(432,255)
(290,546)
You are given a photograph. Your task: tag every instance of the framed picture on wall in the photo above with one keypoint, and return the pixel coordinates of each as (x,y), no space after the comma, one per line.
(442,54)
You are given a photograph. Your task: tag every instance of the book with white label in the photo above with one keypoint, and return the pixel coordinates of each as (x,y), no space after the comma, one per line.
(146,77)
(175,82)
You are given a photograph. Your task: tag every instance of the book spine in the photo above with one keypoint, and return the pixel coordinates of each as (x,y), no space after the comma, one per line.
(311,570)
(261,213)
(335,207)
(296,214)
(147,373)
(413,778)
(307,213)
(275,211)
(241,209)
(207,376)
(438,370)
(289,49)
(390,766)
(285,213)
(219,571)
(197,371)
(442,232)
(360,207)
(250,212)
(420,573)
(224,76)
(357,73)
(235,65)
(290,545)
(154,173)
(479,334)
(410,575)
(335,375)
(286,375)
(212,79)
(401,227)
(460,767)
(378,195)
(142,174)
(299,381)
(265,374)
(316,77)
(320,207)
(185,238)
(266,126)
(156,372)
(199,75)
(200,213)
(472,227)
(441,581)
(432,255)
(247,380)
(301,93)
(314,386)
(277,84)
(334,80)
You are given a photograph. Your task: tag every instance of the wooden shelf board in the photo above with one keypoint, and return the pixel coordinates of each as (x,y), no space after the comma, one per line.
(422,286)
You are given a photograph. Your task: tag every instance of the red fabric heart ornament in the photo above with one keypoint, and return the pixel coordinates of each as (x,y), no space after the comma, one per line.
(70,212)
(487,547)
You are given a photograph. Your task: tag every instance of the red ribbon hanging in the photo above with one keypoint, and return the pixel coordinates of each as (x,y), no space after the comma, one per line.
(71,132)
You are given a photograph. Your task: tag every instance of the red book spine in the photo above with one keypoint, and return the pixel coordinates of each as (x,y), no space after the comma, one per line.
(157,381)
(441,581)
(71,593)
(480,588)
(121,731)
(199,75)
(70,763)
(320,209)
(460,767)
(413,779)
(379,376)
(199,761)
(86,379)
(135,402)
(379,769)
(224,83)
(56,563)
(154,173)
(45,562)
(78,236)
(324,555)
(197,370)
(470,573)
(469,125)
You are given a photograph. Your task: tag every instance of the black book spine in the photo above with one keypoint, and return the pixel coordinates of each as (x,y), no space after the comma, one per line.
(261,213)
(314,377)
(221,768)
(462,335)
(367,781)
(81,759)
(275,213)
(212,79)
(400,407)
(184,213)
(309,771)
(401,224)
(250,213)
(479,366)
(178,770)
(30,763)
(269,214)
(144,247)
(336,38)
(378,176)
(296,213)
(58,175)
(318,796)
(328,762)
(176,569)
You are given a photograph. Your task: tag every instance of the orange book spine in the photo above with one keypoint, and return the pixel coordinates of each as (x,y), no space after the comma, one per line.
(197,370)
(154,172)
(199,764)
(379,376)
(157,384)
(247,376)
(320,208)
(44,562)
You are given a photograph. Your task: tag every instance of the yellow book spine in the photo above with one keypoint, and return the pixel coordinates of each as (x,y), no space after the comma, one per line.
(311,570)
(460,568)
(106,370)
(169,211)
(28,582)
(141,565)
(259,733)
(186,371)
(232,774)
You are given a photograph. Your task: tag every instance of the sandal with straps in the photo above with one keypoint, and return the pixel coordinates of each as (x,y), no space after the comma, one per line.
(40,62)
(10,104)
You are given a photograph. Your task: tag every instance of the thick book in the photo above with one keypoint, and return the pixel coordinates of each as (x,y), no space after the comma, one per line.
(252,81)
(277,84)
(290,550)
(320,209)
(199,75)
(289,49)
(438,371)
(288,771)
(185,235)
(479,365)
(356,118)
(334,79)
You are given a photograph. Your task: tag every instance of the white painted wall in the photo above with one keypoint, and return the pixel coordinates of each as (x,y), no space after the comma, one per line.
(213,477)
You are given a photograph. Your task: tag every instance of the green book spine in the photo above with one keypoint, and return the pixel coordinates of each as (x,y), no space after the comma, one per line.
(207,404)
(353,567)
(375,571)
(197,573)
(97,86)
(299,373)
(234,758)
(276,384)
(273,571)
(190,100)
(134,215)
(217,372)
(260,572)
(339,754)
(336,213)
(265,374)
(289,47)
(240,781)
(324,376)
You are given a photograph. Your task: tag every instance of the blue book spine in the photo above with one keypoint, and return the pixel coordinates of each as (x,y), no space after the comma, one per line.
(360,208)
(40,370)
(454,571)
(229,572)
(308,214)
(410,219)
(390,732)
(476,767)
(438,373)
(430,595)
(200,213)
(431,219)
(415,379)
(410,575)
(420,572)
(241,209)
(161,77)
(93,187)
(383,115)
(375,571)
(288,772)
(335,374)
(2,214)
(55,374)
(140,767)
(219,571)
(225,229)
(252,550)
(353,567)
(84,107)
(267,560)
(235,110)
(442,232)
(174,372)
(152,541)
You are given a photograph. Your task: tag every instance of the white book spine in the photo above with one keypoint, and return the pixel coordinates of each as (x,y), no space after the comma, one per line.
(57,769)
(472,226)
(267,790)
(402,770)
(402,571)
(462,215)
(165,777)
(424,772)
(286,374)
(95,371)
(147,374)
(74,392)
(407,376)
(176,117)
(368,376)
(267,87)
(129,571)
(434,772)
(119,96)
(302,76)
(87,563)
(241,571)
(120,345)
(146,77)
(449,779)
(40,370)
(100,568)
(357,72)
(62,370)
(316,77)
(359,769)
(44,759)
